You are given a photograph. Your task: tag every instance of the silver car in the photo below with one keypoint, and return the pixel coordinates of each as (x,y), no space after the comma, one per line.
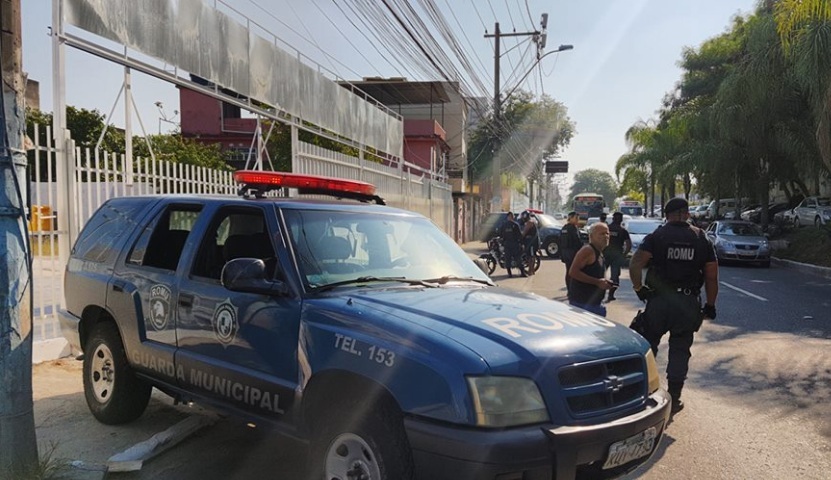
(738,241)
(813,211)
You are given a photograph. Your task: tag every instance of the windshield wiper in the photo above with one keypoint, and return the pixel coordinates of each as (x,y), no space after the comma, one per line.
(352,281)
(443,280)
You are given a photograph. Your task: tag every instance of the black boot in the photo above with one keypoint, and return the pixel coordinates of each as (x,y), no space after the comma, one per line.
(612,294)
(674,390)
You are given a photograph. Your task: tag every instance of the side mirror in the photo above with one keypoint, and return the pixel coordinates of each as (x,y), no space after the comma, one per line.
(248,275)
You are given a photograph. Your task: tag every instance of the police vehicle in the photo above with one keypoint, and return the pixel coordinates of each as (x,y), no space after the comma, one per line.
(362,328)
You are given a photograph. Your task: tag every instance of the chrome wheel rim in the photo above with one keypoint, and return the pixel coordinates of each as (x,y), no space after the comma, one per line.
(349,457)
(102,373)
(551,249)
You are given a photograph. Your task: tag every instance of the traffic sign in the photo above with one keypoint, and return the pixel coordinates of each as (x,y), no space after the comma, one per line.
(556,166)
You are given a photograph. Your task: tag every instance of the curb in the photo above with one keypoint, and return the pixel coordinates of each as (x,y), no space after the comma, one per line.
(824,272)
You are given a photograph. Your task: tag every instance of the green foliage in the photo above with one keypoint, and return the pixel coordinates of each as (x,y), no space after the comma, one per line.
(808,245)
(175,148)
(595,181)
(529,131)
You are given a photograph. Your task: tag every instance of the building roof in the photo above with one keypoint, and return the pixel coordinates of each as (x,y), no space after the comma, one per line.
(395,91)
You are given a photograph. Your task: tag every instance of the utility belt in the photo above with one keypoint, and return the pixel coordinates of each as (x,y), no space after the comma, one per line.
(687,291)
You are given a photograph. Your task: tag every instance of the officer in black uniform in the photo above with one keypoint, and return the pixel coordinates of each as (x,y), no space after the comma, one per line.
(511,240)
(682,260)
(616,252)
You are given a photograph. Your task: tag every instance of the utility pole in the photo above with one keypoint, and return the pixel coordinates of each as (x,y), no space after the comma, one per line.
(539,38)
(18,446)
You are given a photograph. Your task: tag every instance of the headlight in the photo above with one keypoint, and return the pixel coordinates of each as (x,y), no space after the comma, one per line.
(652,372)
(727,245)
(506,401)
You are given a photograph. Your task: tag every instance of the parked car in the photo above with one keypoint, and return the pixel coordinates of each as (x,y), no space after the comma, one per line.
(639,228)
(699,212)
(813,211)
(739,241)
(755,214)
(361,329)
(548,230)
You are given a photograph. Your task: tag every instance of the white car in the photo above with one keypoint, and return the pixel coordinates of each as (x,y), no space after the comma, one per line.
(639,228)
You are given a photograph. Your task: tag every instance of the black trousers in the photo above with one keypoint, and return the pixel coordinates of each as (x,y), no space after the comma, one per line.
(680,315)
(513,253)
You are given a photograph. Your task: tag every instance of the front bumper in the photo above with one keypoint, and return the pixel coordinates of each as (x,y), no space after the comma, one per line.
(749,257)
(530,453)
(70,329)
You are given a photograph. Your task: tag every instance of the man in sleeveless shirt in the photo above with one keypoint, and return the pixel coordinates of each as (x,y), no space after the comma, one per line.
(682,260)
(587,272)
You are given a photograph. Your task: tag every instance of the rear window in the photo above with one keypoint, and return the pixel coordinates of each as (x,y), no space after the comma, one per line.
(101,234)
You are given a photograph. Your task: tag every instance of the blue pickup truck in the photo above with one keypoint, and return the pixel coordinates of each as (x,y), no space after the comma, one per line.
(361,328)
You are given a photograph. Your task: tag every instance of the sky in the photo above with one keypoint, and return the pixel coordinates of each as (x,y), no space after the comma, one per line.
(624,58)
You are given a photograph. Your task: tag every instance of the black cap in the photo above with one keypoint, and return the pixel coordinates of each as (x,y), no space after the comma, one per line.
(572,214)
(676,205)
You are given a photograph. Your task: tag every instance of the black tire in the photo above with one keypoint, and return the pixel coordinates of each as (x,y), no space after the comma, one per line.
(113,392)
(369,441)
(551,248)
(818,222)
(796,223)
(491,263)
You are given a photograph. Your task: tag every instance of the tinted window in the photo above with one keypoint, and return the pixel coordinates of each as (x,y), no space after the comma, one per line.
(110,223)
(162,242)
(235,232)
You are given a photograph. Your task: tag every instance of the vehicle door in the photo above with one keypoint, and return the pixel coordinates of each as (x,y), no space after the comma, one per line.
(144,288)
(802,210)
(237,347)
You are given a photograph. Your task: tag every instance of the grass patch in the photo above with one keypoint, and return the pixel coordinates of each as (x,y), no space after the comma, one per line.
(48,467)
(808,245)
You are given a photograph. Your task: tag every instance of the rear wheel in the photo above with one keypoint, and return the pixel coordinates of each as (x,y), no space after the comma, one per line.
(113,392)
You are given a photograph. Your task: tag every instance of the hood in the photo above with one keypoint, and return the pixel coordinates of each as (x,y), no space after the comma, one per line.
(512,332)
(744,239)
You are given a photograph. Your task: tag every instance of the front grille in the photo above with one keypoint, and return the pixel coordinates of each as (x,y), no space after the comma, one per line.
(747,247)
(597,388)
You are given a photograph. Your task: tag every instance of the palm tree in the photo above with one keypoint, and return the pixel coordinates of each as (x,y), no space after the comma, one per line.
(804,27)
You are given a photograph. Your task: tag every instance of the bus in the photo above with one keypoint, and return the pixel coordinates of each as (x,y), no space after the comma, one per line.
(588,205)
(633,208)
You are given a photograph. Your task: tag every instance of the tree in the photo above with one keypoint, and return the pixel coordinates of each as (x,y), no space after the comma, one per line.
(530,130)
(595,181)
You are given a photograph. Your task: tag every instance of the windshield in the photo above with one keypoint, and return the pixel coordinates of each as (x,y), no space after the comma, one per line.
(338,246)
(633,211)
(740,229)
(642,228)
(548,221)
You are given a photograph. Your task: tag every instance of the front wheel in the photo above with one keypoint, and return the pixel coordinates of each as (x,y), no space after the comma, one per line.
(490,262)
(817,222)
(113,392)
(552,248)
(796,222)
(361,443)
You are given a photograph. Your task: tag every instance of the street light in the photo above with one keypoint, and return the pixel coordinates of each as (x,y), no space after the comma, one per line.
(163,117)
(561,48)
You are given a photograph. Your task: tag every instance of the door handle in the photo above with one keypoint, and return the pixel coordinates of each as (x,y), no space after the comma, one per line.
(186,299)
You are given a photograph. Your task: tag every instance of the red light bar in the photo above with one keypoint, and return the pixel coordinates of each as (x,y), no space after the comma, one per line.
(272,180)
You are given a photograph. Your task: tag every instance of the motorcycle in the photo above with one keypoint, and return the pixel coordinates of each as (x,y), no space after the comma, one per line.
(496,256)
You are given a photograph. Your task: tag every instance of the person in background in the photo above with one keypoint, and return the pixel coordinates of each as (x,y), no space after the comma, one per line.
(570,243)
(616,252)
(530,238)
(511,241)
(681,259)
(603,217)
(588,282)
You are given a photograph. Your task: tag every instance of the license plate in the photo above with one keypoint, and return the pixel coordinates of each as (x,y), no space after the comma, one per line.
(636,446)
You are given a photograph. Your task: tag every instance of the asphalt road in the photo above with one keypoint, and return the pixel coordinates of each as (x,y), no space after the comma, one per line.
(758,397)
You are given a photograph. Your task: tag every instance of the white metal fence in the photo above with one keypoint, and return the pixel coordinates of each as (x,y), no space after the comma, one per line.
(99,176)
(404,186)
